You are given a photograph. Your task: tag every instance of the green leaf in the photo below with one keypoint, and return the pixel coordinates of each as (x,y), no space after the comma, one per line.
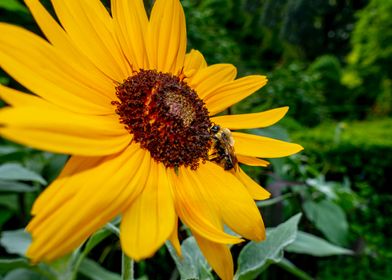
(5,150)
(290,267)
(12,186)
(4,80)
(112,228)
(309,244)
(255,257)
(62,268)
(25,274)
(14,171)
(5,215)
(13,6)
(16,241)
(11,264)
(192,265)
(9,201)
(54,165)
(14,153)
(95,239)
(329,218)
(272,201)
(94,271)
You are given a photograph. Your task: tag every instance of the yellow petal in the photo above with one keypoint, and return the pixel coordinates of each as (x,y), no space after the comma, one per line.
(230,198)
(173,238)
(252,161)
(166,38)
(130,21)
(55,194)
(86,70)
(91,30)
(150,219)
(205,81)
(194,210)
(233,92)
(39,67)
(218,256)
(255,190)
(260,146)
(59,228)
(56,130)
(17,98)
(247,121)
(194,61)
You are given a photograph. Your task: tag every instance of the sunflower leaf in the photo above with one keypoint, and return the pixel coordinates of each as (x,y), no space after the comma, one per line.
(192,265)
(255,257)
(14,171)
(15,241)
(329,218)
(309,244)
(94,271)
(12,186)
(25,274)
(11,264)
(95,239)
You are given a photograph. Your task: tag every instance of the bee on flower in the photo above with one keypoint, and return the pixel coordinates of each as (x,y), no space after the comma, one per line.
(119,93)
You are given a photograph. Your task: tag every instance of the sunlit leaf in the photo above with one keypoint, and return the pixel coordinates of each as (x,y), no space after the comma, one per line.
(14,171)
(255,257)
(309,244)
(12,6)
(329,218)
(192,265)
(15,241)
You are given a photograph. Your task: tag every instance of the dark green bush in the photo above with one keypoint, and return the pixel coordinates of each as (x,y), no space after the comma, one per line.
(293,86)
(328,72)
(360,150)
(369,71)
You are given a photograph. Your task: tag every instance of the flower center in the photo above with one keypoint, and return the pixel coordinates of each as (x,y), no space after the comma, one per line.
(166,117)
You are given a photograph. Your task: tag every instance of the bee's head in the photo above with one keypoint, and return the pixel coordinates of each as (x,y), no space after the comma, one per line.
(215,128)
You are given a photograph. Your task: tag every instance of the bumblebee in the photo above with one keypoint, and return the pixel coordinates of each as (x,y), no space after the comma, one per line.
(222,148)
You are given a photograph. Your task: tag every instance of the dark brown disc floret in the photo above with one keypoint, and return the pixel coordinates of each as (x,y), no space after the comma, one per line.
(166,117)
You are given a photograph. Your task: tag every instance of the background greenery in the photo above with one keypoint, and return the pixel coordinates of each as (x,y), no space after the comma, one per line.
(330,61)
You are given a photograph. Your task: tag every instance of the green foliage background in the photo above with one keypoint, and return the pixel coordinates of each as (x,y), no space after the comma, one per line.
(330,61)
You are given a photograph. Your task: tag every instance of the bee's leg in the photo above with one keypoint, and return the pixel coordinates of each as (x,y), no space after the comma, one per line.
(213,157)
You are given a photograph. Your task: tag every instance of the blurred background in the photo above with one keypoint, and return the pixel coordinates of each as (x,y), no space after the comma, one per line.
(330,62)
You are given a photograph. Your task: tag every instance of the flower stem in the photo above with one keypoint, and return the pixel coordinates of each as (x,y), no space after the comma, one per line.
(127,268)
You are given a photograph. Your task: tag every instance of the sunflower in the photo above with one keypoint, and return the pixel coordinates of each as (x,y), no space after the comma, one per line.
(118,92)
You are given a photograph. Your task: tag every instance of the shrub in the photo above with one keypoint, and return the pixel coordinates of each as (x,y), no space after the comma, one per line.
(359,150)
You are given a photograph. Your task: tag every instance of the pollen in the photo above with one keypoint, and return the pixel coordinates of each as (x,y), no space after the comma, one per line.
(166,117)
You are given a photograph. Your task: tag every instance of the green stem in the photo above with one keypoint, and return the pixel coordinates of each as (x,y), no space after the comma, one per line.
(79,259)
(127,268)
